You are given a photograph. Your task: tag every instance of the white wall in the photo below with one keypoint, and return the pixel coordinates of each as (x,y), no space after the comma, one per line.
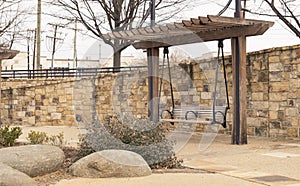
(20,62)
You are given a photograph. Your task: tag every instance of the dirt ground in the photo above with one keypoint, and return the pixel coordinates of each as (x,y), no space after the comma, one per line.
(263,161)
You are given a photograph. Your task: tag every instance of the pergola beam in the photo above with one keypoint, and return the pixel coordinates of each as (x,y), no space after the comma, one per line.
(188,37)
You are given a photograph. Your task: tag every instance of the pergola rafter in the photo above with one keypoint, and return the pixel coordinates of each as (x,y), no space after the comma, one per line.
(200,29)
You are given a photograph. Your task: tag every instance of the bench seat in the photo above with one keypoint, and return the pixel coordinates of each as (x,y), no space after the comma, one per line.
(197,115)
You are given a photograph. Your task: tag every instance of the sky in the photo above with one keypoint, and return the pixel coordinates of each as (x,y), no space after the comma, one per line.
(91,48)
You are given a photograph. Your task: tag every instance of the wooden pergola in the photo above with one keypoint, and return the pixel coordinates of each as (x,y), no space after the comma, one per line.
(195,30)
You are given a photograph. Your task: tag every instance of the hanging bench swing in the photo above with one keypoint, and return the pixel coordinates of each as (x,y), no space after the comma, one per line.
(197,114)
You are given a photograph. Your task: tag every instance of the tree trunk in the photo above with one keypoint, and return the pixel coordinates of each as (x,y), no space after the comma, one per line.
(117,61)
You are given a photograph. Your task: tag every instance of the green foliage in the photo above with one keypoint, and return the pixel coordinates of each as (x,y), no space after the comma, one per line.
(37,137)
(57,140)
(42,138)
(138,135)
(8,136)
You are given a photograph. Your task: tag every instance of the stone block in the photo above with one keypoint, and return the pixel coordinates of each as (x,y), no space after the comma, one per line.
(293,132)
(251,131)
(56,115)
(253,121)
(206,95)
(257,96)
(60,92)
(21,114)
(260,131)
(292,112)
(275,76)
(259,87)
(275,96)
(262,113)
(260,104)
(31,120)
(276,67)
(279,87)
(39,91)
(275,124)
(51,109)
(273,115)
(293,95)
(281,115)
(274,59)
(62,99)
(140,105)
(294,84)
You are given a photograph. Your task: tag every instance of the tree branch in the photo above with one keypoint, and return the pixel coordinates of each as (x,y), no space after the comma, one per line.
(281,17)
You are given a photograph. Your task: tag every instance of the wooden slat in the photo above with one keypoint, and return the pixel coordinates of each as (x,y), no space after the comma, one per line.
(123,34)
(179,26)
(187,23)
(263,29)
(157,29)
(117,35)
(135,32)
(163,28)
(187,121)
(171,26)
(149,30)
(196,21)
(143,31)
(203,20)
(238,21)
(149,44)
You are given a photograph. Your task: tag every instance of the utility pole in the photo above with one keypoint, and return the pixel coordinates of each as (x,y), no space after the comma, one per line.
(28,53)
(38,35)
(29,37)
(33,55)
(54,39)
(100,53)
(75,45)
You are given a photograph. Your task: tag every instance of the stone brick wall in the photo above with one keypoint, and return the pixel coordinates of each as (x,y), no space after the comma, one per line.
(272,82)
(274,88)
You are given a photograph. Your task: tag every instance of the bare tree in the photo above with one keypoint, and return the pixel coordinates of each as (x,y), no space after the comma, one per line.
(11,17)
(101,16)
(288,11)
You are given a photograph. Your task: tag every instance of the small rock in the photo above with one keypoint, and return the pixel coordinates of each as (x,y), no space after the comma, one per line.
(13,177)
(111,163)
(33,160)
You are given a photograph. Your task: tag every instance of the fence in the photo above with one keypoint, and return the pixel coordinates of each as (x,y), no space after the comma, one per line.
(64,72)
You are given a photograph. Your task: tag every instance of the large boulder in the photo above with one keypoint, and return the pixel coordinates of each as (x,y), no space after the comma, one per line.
(111,163)
(13,177)
(33,160)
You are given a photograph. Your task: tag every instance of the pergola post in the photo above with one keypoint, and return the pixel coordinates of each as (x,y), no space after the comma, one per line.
(239,127)
(153,81)
(0,83)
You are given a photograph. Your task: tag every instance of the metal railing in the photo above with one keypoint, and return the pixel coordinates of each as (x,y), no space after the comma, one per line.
(64,72)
